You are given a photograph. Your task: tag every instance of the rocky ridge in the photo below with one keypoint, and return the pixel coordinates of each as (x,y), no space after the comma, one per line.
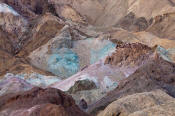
(94,51)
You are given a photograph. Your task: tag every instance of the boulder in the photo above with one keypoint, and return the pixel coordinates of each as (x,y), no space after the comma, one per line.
(81,85)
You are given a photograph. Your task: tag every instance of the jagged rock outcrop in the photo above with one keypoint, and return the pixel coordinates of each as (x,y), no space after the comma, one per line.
(128,54)
(140,104)
(39,102)
(156,73)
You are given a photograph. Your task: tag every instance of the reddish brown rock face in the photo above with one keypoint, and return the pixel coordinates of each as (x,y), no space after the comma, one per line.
(40,102)
(129,54)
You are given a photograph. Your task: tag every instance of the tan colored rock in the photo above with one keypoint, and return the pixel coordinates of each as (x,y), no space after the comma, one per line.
(150,8)
(45,28)
(152,40)
(6,61)
(147,103)
(163,26)
(5,43)
(67,12)
(166,109)
(143,37)
(108,13)
(13,26)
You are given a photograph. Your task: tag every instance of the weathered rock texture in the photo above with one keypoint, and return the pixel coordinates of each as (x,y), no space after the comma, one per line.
(163,26)
(141,104)
(39,102)
(64,44)
(44,28)
(128,54)
(11,84)
(156,73)
(81,85)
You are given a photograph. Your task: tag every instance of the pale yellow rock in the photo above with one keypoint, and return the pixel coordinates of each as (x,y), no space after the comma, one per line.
(136,102)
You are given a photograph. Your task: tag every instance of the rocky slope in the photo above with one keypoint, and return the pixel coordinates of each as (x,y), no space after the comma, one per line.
(156,73)
(94,50)
(45,102)
(148,103)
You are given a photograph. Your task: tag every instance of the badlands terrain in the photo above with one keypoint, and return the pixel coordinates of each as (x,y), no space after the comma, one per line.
(87,57)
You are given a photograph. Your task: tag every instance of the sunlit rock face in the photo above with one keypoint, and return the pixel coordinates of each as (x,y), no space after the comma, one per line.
(154,103)
(7,9)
